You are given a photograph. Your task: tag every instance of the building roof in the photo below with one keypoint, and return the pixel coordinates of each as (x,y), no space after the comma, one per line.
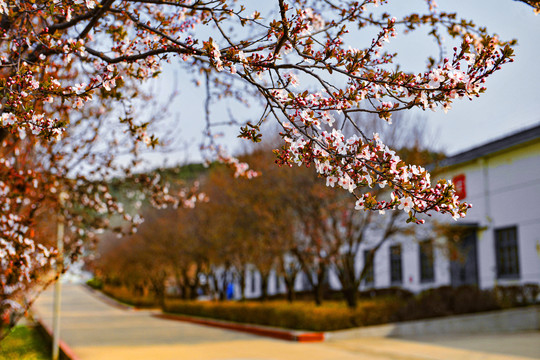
(517,138)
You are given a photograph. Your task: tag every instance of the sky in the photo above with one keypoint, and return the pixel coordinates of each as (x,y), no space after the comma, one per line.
(510,104)
(512,100)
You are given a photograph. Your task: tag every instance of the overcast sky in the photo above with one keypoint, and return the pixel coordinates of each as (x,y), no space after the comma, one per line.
(511,102)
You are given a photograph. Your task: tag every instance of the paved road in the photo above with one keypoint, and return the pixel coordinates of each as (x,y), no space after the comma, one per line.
(96,330)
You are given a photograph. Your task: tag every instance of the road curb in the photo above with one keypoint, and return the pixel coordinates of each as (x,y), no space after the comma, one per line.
(298,336)
(290,335)
(66,353)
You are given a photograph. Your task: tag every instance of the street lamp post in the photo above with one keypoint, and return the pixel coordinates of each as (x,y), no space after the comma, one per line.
(57,286)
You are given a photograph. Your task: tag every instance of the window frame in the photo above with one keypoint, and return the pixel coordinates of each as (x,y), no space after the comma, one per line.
(507,255)
(369,279)
(426,257)
(396,264)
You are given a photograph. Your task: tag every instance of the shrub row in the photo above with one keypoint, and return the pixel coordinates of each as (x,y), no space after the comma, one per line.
(376,307)
(517,295)
(300,315)
(446,300)
(124,295)
(95,283)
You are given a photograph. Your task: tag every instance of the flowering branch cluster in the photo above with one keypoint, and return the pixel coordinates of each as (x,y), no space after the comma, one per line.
(359,164)
(65,64)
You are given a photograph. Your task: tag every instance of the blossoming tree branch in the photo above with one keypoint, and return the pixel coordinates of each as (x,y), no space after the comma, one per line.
(64,64)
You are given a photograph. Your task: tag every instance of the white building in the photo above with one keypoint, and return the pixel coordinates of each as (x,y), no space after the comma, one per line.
(502,243)
(502,181)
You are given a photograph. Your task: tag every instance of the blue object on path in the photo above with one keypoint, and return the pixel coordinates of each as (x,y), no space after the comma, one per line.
(230,291)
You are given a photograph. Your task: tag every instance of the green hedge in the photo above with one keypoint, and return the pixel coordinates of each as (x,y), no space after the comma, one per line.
(300,315)
(95,283)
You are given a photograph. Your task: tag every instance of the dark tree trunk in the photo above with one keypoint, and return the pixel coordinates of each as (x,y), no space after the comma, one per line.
(158,285)
(317,294)
(349,281)
(242,280)
(183,291)
(318,286)
(181,284)
(212,278)
(289,284)
(161,297)
(264,286)
(192,284)
(351,296)
(223,288)
(289,277)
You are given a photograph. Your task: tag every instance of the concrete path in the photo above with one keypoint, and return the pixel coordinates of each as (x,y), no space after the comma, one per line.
(96,330)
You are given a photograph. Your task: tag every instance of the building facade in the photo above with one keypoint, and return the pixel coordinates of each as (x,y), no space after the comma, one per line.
(497,243)
(502,181)
(499,239)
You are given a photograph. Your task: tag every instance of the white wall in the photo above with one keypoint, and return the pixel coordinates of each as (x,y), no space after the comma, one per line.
(504,189)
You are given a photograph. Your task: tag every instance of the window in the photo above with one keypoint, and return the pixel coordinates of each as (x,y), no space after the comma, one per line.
(427,273)
(369,260)
(396,276)
(506,250)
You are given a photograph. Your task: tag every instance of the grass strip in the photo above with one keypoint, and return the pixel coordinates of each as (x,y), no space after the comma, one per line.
(24,343)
